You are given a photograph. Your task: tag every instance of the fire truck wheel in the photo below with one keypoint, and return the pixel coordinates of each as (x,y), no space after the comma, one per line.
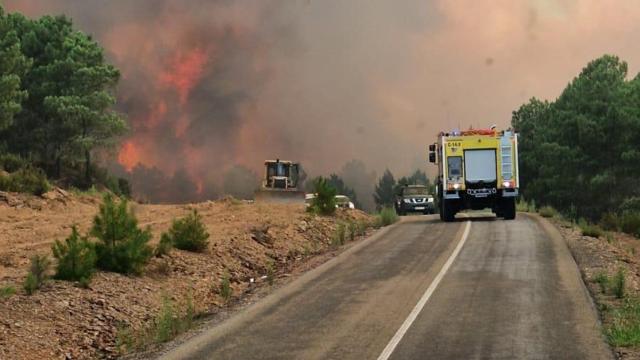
(447,213)
(509,208)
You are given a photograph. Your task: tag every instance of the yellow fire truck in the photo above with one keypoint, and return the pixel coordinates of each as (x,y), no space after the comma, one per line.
(477,169)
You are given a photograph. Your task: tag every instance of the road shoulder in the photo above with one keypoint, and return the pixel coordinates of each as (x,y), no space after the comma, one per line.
(571,270)
(212,329)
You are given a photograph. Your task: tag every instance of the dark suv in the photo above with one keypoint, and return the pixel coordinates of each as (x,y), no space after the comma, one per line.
(414,198)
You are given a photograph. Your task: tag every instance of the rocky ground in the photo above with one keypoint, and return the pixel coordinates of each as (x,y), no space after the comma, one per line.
(604,257)
(63,320)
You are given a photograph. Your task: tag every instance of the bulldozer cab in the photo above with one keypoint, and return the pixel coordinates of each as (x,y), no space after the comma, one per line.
(280,183)
(280,174)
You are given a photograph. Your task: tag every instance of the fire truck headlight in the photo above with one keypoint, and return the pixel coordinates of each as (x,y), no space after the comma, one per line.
(506,184)
(456,186)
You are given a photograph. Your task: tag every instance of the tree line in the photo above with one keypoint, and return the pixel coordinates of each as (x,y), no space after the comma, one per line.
(579,153)
(56,100)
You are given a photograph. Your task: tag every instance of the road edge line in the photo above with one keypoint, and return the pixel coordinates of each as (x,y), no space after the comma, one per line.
(397,337)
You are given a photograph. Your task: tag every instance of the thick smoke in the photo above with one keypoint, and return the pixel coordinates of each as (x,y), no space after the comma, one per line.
(208,85)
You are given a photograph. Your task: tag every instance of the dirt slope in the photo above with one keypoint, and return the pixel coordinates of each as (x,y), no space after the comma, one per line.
(66,321)
(606,256)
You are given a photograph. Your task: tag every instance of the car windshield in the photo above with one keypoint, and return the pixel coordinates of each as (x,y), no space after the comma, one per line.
(415,191)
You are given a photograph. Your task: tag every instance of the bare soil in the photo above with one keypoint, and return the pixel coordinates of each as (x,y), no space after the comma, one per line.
(63,320)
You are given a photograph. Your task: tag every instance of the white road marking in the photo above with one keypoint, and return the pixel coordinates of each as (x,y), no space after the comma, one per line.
(395,340)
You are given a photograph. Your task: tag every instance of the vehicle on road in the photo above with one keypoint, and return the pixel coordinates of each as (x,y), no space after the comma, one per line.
(343,201)
(280,182)
(477,169)
(414,198)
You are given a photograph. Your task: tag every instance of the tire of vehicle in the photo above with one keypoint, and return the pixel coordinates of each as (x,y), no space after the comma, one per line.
(400,211)
(509,208)
(446,213)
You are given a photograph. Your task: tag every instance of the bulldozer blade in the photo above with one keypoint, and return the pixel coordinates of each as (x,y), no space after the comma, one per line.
(280,196)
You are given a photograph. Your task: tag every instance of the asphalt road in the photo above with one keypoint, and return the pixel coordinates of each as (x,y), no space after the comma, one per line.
(424,290)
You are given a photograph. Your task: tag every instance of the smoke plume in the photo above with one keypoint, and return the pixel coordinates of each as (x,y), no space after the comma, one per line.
(211,85)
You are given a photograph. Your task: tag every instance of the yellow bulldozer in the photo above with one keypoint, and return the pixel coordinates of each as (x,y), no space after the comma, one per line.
(280,182)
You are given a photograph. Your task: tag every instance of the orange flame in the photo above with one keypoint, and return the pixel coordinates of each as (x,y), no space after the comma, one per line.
(129,155)
(185,72)
(157,114)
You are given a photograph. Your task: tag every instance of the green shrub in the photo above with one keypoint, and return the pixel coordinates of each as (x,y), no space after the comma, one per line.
(84,283)
(76,258)
(362,227)
(609,237)
(324,202)
(125,187)
(125,338)
(5,182)
(603,280)
(169,322)
(335,241)
(12,163)
(522,205)
(271,272)
(38,273)
(7,291)
(353,230)
(118,186)
(90,191)
(590,229)
(547,211)
(30,180)
(630,205)
(164,246)
(225,287)
(610,221)
(164,322)
(123,247)
(189,233)
(525,206)
(625,327)
(31,284)
(387,216)
(340,234)
(618,284)
(630,223)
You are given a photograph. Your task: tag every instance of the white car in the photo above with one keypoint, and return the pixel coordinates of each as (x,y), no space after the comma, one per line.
(342,201)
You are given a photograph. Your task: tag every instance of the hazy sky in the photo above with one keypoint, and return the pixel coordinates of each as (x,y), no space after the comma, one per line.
(207,84)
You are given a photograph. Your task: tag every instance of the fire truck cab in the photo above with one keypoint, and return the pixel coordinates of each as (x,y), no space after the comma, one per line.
(477,169)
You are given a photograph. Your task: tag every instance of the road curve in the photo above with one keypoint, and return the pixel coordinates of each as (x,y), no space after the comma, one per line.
(513,291)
